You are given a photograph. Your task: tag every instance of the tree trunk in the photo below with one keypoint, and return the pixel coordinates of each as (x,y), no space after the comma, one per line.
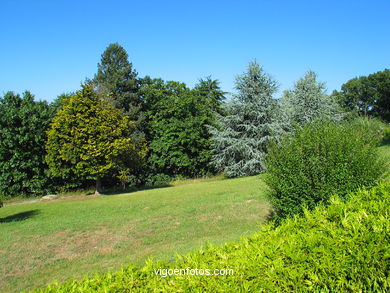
(98,186)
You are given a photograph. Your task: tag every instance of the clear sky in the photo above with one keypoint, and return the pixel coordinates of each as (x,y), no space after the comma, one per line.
(49,47)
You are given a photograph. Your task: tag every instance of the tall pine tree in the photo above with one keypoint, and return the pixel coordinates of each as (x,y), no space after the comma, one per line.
(116,80)
(239,143)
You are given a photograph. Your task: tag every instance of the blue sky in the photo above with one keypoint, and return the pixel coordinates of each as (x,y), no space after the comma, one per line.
(49,47)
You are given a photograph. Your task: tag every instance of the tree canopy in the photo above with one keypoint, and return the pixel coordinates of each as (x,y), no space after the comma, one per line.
(367,95)
(23,124)
(142,130)
(91,138)
(177,123)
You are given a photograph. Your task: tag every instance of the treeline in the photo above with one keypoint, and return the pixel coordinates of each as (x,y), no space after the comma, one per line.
(121,129)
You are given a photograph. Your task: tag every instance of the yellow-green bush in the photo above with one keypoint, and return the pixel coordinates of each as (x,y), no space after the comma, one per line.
(341,247)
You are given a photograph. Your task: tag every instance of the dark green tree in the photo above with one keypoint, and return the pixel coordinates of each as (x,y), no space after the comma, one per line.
(60,101)
(23,125)
(177,123)
(210,89)
(367,95)
(116,81)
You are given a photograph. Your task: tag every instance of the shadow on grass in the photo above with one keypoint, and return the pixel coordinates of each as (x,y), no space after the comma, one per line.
(134,189)
(19,216)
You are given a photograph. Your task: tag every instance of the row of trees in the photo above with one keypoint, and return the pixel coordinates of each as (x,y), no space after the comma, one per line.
(121,128)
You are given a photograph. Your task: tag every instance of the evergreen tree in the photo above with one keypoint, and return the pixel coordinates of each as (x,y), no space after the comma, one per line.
(60,101)
(23,125)
(307,102)
(210,89)
(116,81)
(90,138)
(239,143)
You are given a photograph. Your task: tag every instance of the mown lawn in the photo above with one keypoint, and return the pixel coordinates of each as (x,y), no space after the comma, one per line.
(57,240)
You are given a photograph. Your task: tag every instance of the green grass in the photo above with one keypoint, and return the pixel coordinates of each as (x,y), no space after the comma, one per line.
(58,240)
(338,247)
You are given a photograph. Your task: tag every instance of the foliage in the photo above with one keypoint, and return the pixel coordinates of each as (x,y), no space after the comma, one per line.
(90,138)
(23,123)
(369,129)
(239,142)
(60,101)
(210,89)
(341,247)
(317,161)
(177,127)
(307,102)
(127,179)
(367,95)
(116,81)
(156,180)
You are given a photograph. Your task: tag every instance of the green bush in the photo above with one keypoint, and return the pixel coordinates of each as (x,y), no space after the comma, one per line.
(341,247)
(155,180)
(370,130)
(319,160)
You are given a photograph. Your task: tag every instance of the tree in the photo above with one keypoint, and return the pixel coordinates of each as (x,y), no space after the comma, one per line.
(209,89)
(23,125)
(117,82)
(367,95)
(308,102)
(91,138)
(239,143)
(60,101)
(178,135)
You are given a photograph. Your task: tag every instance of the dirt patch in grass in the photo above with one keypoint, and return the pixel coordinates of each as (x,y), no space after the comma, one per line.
(80,244)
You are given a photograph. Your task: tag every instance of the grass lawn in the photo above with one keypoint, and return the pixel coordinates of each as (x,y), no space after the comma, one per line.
(57,240)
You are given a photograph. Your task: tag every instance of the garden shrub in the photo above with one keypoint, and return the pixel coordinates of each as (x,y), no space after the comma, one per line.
(341,247)
(319,160)
(156,180)
(370,130)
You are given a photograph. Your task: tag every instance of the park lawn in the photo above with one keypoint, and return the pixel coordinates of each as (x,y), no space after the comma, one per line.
(58,240)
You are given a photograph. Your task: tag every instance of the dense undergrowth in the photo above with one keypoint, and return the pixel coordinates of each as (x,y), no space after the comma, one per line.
(340,247)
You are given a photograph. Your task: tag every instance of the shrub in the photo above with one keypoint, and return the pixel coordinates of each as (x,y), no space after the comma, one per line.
(319,160)
(342,247)
(370,130)
(155,180)
(127,179)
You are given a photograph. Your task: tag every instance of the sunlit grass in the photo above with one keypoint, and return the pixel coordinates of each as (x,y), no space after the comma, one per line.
(49,240)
